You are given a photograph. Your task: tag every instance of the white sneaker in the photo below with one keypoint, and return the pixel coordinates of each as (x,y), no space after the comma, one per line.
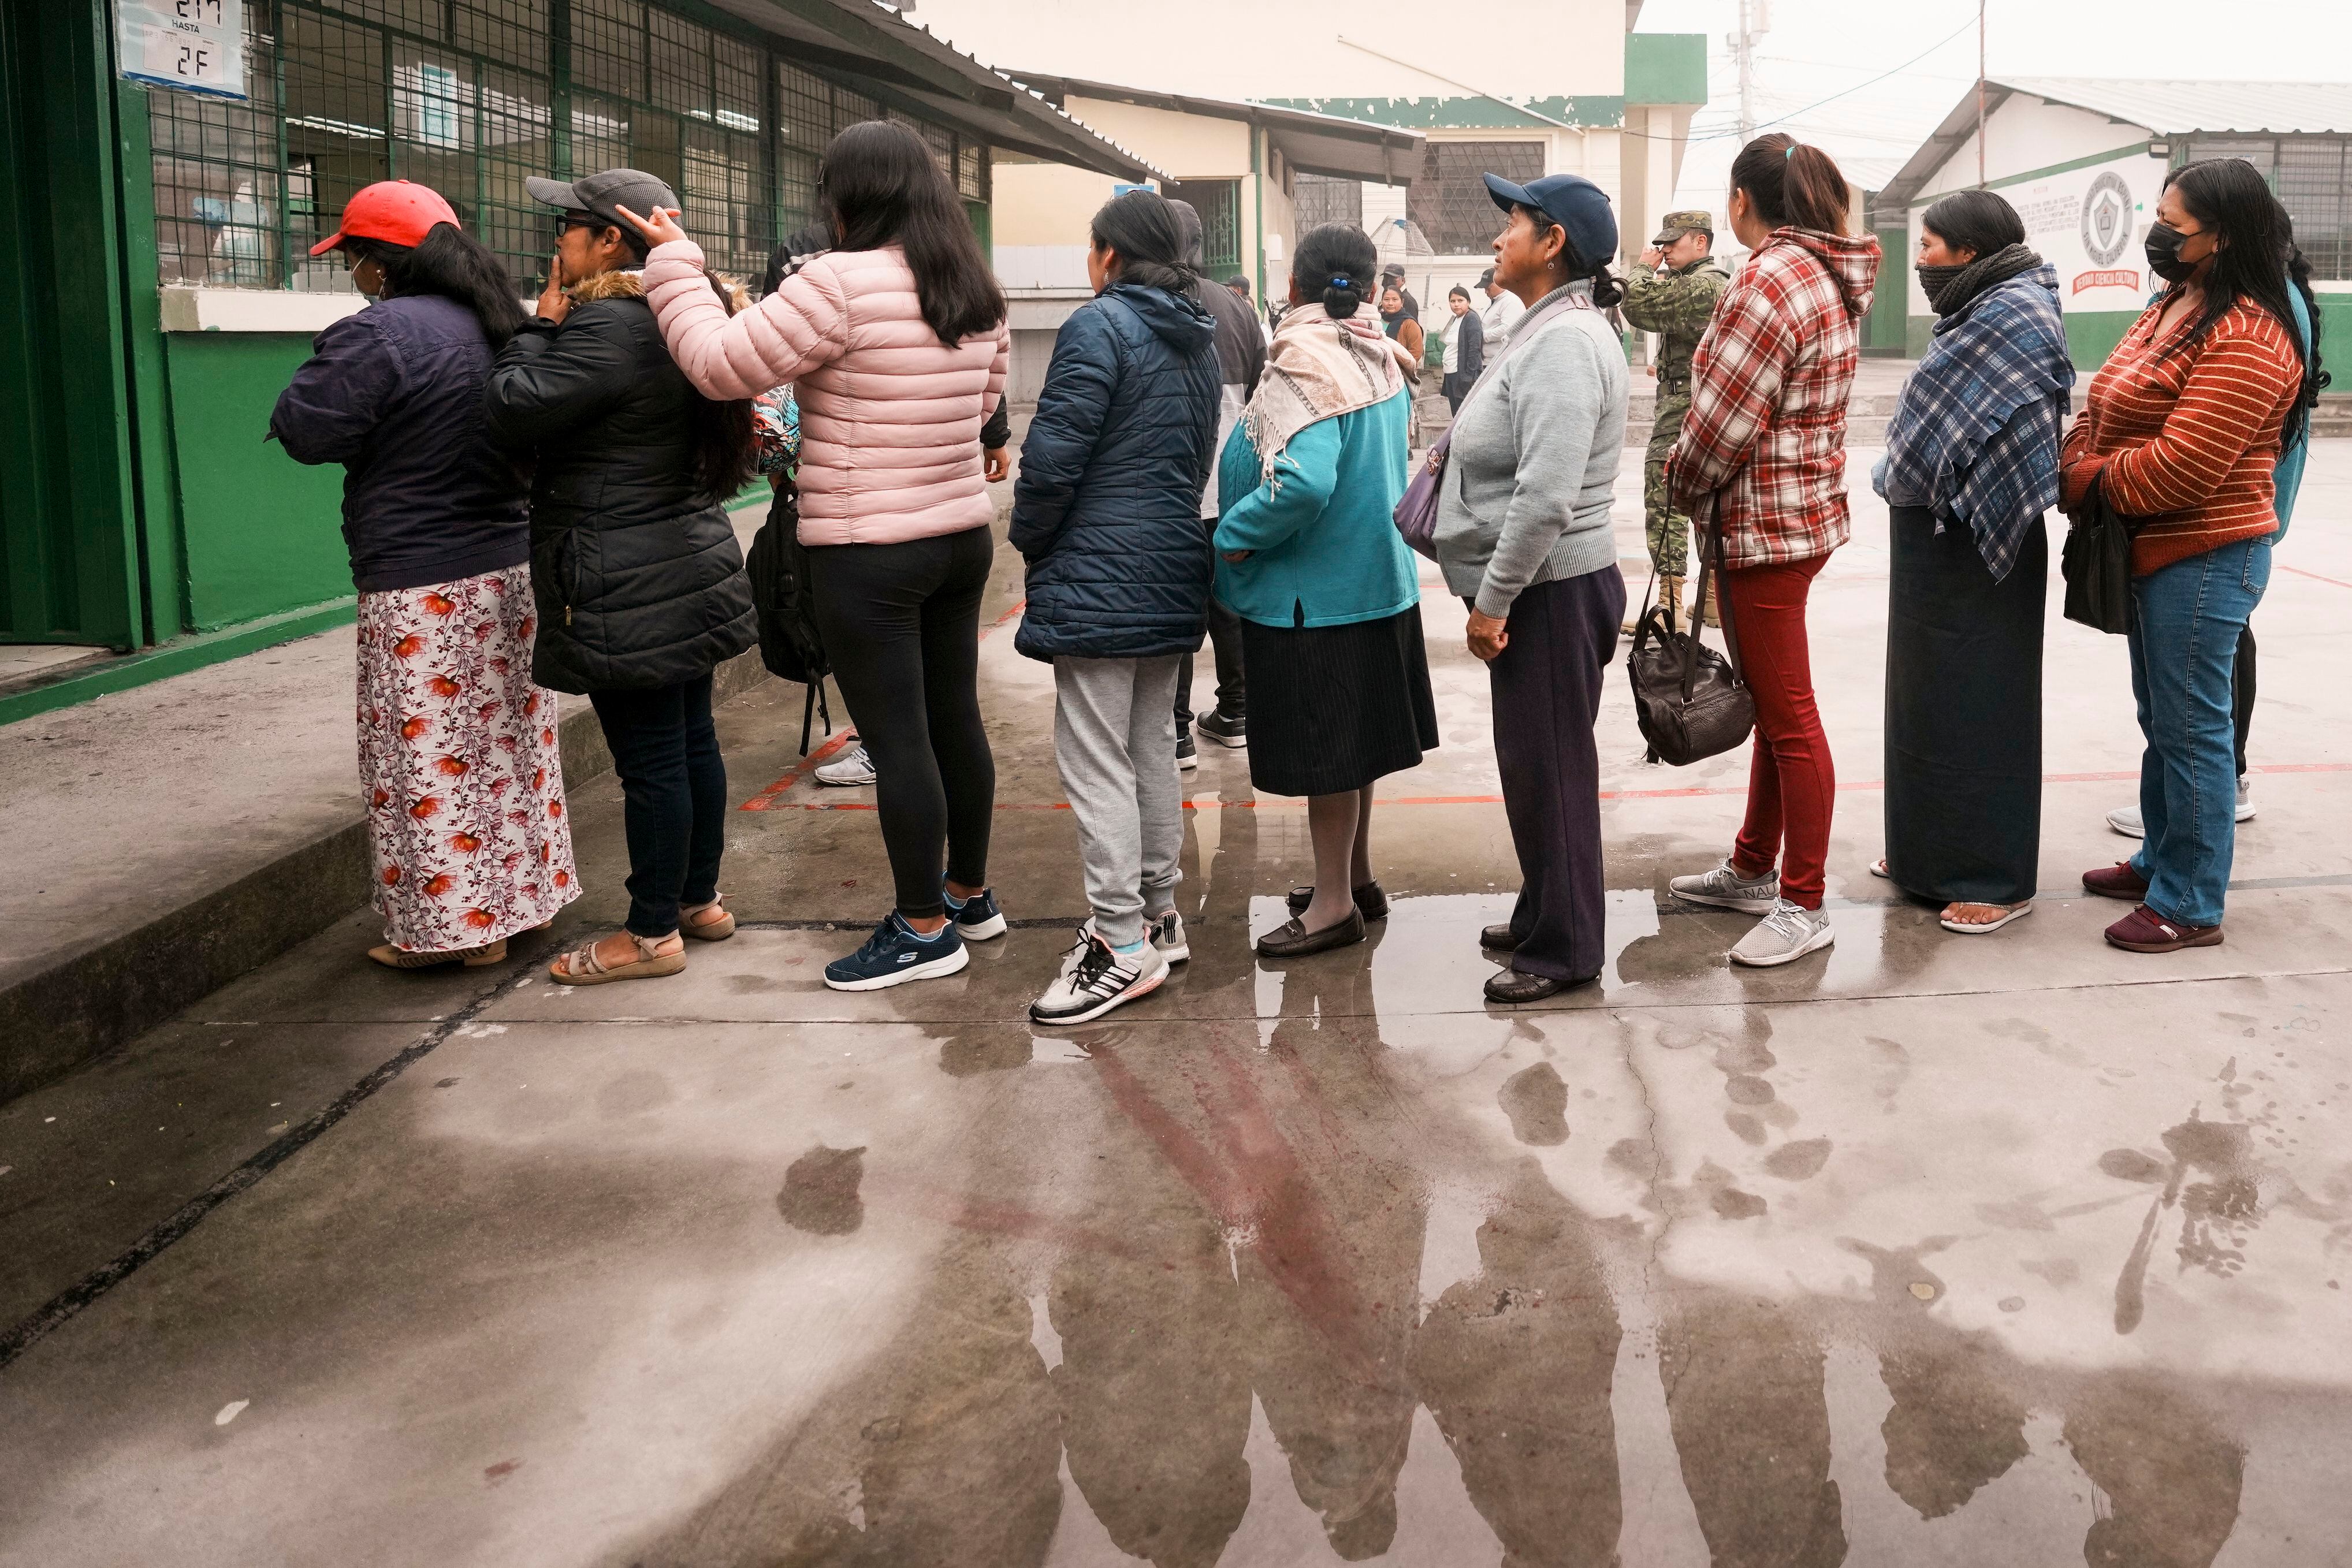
(2127,821)
(1167,935)
(1783,936)
(1094,979)
(849,772)
(1726,889)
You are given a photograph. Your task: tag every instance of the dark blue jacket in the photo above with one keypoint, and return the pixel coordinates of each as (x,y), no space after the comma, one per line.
(1107,511)
(395,394)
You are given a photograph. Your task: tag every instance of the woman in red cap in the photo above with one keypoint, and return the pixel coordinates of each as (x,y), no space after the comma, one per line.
(467,828)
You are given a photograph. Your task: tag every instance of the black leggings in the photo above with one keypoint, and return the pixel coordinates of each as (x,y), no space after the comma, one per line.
(901,625)
(2242,692)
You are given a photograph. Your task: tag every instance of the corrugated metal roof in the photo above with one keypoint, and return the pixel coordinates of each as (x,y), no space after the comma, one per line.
(2171,108)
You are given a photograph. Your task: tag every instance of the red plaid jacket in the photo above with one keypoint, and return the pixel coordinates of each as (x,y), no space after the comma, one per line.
(1763,447)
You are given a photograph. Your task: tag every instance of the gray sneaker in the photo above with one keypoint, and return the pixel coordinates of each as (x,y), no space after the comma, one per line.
(849,772)
(1726,889)
(1783,936)
(1167,935)
(2127,821)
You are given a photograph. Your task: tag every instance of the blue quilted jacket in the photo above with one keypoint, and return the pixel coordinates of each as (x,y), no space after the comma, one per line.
(1107,508)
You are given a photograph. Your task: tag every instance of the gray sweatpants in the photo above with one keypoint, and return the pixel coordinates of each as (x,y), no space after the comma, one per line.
(1115,738)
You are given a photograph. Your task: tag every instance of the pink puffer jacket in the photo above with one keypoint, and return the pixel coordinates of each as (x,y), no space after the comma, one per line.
(890,417)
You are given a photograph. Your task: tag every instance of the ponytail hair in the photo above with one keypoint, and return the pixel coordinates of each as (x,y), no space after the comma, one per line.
(454,264)
(1334,265)
(1141,227)
(1793,184)
(724,456)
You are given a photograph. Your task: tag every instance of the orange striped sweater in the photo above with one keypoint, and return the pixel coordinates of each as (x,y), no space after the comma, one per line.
(2188,441)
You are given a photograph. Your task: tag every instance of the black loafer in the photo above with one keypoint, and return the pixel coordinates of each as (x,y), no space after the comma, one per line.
(1498,939)
(1370,901)
(1510,985)
(1292,940)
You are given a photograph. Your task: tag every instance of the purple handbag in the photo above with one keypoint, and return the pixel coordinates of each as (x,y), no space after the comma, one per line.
(1416,510)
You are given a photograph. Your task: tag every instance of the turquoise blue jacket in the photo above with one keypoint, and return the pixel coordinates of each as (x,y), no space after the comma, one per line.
(2286,478)
(1325,549)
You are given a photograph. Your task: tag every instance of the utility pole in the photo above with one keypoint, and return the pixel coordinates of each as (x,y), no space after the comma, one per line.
(1743,50)
(1981,93)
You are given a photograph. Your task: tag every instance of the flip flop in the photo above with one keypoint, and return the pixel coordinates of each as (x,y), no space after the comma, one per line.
(2016,912)
(581,966)
(1878,869)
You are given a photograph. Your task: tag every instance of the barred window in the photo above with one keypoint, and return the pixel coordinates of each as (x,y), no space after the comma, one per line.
(1323,200)
(2313,178)
(1219,203)
(1448,198)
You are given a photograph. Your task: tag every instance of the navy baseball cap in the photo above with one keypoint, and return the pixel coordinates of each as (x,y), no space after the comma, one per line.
(1571,201)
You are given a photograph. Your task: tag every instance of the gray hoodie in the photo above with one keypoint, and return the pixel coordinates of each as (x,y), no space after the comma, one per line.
(1533,466)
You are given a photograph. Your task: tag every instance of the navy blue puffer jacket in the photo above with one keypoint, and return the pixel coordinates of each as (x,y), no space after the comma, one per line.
(1107,510)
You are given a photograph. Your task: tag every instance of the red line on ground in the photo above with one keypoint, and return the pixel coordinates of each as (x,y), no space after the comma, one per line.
(1291,803)
(2316,577)
(765,801)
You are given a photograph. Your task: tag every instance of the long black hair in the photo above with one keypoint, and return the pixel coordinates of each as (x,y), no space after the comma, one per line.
(1792,182)
(1979,221)
(1142,228)
(2255,260)
(724,457)
(879,186)
(453,263)
(1335,265)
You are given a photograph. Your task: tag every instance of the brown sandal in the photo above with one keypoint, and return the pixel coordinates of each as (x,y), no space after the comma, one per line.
(392,958)
(716,930)
(581,966)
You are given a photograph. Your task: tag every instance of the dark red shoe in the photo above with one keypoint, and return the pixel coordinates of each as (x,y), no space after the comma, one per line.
(2145,931)
(2118,880)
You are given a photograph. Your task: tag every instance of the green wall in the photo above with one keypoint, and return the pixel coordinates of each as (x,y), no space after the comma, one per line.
(259,533)
(2090,335)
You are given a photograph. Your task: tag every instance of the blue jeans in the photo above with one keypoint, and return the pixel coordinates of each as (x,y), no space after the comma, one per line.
(2184,638)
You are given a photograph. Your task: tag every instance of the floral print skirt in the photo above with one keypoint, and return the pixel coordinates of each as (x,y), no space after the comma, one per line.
(459,765)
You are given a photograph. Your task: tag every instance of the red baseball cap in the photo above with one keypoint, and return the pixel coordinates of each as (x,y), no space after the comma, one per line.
(394,211)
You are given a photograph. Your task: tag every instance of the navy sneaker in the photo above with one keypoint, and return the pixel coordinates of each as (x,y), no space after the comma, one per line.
(894,955)
(977,918)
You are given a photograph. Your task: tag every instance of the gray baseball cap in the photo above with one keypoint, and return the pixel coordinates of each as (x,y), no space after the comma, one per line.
(605,193)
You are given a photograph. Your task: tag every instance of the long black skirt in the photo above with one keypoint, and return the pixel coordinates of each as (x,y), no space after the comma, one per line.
(1333,707)
(1963,714)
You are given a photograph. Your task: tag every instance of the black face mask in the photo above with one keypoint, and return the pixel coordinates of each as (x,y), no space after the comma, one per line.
(2164,254)
(1934,281)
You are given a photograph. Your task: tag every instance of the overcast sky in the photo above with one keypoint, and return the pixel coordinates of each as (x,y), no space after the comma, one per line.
(1819,48)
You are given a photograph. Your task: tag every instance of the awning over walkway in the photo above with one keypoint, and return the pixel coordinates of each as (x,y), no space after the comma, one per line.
(903,65)
(1312,144)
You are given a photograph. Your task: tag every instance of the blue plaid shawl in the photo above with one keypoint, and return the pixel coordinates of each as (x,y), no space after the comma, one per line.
(1975,437)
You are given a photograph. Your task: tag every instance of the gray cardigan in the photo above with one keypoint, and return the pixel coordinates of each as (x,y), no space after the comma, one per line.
(1533,466)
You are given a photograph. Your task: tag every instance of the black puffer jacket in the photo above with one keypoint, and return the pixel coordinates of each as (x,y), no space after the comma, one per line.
(637,575)
(1107,508)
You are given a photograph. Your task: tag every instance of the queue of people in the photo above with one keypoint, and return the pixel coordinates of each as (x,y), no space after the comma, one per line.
(534,503)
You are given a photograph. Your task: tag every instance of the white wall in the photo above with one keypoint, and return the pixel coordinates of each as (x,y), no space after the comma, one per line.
(2029,133)
(1249,48)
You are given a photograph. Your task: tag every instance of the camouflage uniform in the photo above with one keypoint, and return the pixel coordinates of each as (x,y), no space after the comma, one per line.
(1676,306)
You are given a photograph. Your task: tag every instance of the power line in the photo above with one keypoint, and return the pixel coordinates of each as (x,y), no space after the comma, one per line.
(1857,87)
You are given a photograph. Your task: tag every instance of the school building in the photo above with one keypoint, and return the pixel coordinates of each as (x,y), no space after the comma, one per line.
(2083,160)
(159,290)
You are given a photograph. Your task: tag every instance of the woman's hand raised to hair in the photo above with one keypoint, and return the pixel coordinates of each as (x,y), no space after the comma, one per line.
(659,229)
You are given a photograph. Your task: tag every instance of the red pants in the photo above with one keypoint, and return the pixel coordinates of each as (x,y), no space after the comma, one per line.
(1791,782)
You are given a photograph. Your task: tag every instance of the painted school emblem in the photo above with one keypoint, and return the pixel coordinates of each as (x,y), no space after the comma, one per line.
(2107,219)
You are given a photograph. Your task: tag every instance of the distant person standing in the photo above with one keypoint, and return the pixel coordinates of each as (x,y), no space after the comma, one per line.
(1392,276)
(1462,347)
(467,839)
(1503,309)
(1763,451)
(1240,286)
(1401,321)
(1672,293)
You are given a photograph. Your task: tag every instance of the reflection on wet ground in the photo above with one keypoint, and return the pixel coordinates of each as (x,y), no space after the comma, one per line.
(1925,1250)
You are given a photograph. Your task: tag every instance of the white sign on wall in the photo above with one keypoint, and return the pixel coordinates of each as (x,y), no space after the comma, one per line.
(196,45)
(2091,224)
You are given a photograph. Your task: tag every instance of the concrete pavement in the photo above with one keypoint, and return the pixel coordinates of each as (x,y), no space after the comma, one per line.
(1929,1249)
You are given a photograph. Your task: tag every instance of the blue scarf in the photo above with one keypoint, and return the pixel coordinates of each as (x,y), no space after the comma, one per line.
(1975,437)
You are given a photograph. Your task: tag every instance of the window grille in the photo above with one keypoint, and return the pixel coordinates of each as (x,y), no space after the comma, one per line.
(1219,203)
(1322,200)
(463,95)
(2313,178)
(1448,199)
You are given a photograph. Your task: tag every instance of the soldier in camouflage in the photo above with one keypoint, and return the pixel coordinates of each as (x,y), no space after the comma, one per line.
(1672,293)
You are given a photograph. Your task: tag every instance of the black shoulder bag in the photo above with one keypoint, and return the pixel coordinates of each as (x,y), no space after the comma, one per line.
(1689,699)
(2098,563)
(789,644)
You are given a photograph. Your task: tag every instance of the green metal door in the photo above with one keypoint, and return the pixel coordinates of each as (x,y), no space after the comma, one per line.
(68,523)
